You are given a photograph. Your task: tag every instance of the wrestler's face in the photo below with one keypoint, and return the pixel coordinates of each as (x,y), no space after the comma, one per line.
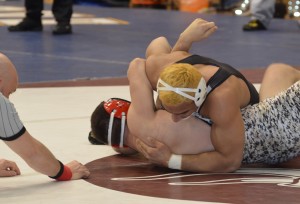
(181,111)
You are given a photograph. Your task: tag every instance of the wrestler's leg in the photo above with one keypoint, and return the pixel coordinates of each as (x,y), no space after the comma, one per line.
(158,46)
(278,77)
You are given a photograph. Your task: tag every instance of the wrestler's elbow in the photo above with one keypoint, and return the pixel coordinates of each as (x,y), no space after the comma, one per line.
(133,65)
(232,168)
(232,165)
(131,68)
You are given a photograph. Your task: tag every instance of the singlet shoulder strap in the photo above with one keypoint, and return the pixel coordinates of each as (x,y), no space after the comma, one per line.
(195,59)
(204,119)
(217,79)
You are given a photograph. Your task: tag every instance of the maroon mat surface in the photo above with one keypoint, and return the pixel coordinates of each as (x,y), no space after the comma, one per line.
(249,185)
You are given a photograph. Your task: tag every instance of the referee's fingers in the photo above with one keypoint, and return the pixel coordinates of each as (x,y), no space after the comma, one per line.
(10,167)
(8,173)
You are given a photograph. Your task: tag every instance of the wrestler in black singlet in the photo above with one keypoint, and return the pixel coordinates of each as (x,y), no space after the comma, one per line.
(219,77)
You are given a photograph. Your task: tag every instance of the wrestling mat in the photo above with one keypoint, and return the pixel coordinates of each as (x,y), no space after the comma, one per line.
(133,174)
(10,15)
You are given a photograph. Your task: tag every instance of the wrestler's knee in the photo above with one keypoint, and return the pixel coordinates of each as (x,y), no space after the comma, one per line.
(161,38)
(158,41)
(136,61)
(280,69)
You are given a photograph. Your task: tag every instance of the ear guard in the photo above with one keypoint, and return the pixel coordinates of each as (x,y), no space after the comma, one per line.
(200,91)
(117,108)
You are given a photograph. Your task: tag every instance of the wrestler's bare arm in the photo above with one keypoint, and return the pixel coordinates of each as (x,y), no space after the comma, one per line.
(158,46)
(159,53)
(141,111)
(198,30)
(185,137)
(227,135)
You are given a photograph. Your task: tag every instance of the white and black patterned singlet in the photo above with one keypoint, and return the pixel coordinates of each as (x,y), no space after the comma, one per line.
(272,128)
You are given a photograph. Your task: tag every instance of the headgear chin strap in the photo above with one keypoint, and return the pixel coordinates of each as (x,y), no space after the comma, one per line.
(117,108)
(200,91)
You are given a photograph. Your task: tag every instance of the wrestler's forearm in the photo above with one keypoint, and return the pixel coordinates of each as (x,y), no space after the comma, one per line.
(208,162)
(198,30)
(182,44)
(130,140)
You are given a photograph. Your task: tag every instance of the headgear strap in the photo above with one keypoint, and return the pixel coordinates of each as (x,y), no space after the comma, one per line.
(200,91)
(117,108)
(111,122)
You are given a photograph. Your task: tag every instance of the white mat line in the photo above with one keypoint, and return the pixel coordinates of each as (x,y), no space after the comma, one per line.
(67,57)
(56,119)
(46,14)
(74,21)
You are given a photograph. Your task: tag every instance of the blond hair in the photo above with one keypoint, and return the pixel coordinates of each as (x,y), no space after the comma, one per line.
(179,75)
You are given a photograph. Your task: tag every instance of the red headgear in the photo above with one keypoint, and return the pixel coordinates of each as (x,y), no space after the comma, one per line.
(116,108)
(118,105)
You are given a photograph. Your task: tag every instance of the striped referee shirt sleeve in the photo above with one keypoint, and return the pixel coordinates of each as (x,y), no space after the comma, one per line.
(11,127)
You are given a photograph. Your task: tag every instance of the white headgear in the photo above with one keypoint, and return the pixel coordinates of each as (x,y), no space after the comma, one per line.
(200,91)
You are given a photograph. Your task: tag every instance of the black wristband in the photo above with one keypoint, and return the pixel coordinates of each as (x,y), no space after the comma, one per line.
(61,171)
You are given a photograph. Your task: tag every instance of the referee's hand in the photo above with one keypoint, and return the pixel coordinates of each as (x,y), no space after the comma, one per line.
(8,168)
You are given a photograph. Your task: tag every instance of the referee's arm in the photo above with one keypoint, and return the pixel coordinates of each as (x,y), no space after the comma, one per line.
(35,154)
